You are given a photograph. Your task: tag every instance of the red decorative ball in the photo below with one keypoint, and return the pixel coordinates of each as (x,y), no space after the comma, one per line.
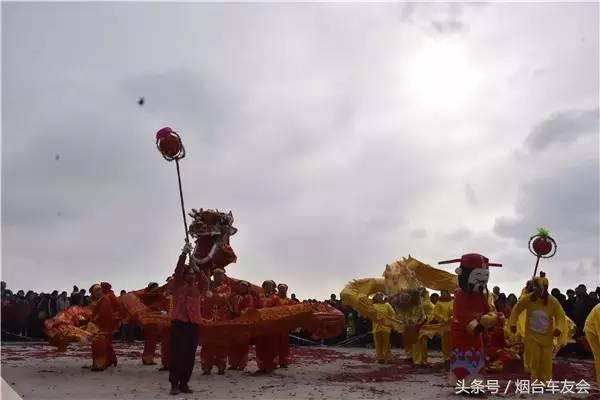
(163,132)
(170,144)
(542,246)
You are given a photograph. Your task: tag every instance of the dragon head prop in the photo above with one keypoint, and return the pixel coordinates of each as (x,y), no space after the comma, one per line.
(211,223)
(211,230)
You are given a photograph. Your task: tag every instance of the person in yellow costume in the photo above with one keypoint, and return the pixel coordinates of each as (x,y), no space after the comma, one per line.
(443,313)
(592,334)
(419,349)
(381,333)
(545,320)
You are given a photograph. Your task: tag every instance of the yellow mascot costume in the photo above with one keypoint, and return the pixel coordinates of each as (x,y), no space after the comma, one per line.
(381,333)
(419,349)
(442,312)
(592,334)
(545,320)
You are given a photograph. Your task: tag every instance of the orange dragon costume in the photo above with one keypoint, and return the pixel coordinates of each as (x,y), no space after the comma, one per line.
(215,308)
(106,317)
(284,340)
(211,230)
(267,346)
(241,303)
(159,300)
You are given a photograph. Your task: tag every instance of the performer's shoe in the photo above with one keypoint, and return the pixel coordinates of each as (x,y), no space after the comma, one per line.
(174,391)
(163,369)
(97,369)
(222,371)
(206,372)
(148,363)
(185,389)
(232,368)
(283,366)
(380,361)
(262,372)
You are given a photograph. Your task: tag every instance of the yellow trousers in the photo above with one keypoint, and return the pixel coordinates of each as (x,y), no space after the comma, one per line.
(539,360)
(382,345)
(526,358)
(594,342)
(419,352)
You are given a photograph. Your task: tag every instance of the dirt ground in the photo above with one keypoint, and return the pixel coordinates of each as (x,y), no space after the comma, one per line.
(37,371)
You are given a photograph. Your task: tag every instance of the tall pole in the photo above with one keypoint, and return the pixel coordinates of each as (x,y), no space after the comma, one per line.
(187,238)
(536,266)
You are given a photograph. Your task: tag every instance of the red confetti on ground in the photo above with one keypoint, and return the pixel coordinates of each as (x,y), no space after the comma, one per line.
(397,370)
(312,355)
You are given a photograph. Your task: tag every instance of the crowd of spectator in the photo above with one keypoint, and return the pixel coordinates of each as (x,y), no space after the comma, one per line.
(23,314)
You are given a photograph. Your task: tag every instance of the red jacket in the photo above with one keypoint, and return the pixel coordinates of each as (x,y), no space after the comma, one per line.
(242,303)
(217,307)
(186,296)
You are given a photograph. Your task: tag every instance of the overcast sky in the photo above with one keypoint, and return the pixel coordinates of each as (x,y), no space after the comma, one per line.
(341,136)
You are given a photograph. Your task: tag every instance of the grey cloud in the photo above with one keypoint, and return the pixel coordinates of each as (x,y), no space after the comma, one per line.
(471,196)
(448,26)
(418,233)
(563,128)
(460,234)
(558,202)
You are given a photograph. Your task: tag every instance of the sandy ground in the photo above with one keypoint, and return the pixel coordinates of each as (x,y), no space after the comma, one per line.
(36,371)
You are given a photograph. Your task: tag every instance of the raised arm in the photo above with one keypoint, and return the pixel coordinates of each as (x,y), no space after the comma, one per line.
(180,268)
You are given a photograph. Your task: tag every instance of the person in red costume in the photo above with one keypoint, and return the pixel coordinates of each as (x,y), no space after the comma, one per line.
(241,302)
(467,355)
(497,351)
(187,291)
(215,308)
(267,346)
(284,340)
(107,318)
(158,299)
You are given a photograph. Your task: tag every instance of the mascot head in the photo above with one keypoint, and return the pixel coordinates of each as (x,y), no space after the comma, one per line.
(473,272)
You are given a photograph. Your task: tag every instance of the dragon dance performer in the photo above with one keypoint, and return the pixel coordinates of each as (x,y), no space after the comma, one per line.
(592,335)
(241,302)
(106,316)
(267,345)
(467,357)
(381,332)
(419,348)
(545,320)
(284,340)
(215,308)
(187,292)
(159,300)
(498,353)
(442,313)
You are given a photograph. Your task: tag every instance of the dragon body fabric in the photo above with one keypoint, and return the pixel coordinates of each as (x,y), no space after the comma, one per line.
(211,230)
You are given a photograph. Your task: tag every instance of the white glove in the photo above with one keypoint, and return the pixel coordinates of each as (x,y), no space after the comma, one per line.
(208,294)
(187,248)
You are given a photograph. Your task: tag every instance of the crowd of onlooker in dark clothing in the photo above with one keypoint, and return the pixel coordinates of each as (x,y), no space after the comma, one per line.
(23,314)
